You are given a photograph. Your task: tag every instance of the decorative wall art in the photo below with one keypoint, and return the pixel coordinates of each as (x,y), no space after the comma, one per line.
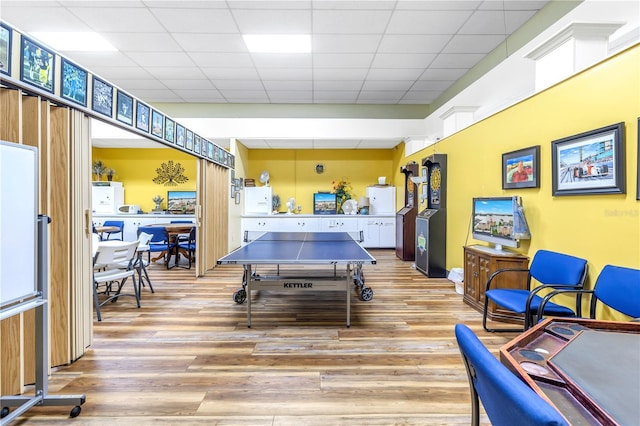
(143,118)
(74,83)
(102,98)
(157,121)
(5,49)
(37,65)
(169,130)
(180,136)
(170,174)
(590,163)
(124,109)
(521,169)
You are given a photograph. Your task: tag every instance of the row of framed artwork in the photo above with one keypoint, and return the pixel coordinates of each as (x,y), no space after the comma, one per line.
(592,162)
(38,69)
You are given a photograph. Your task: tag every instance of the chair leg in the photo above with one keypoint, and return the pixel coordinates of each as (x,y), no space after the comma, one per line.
(496,330)
(96,302)
(146,276)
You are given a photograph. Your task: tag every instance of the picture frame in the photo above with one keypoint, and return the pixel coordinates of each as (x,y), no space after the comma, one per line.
(169,130)
(521,168)
(180,136)
(237,197)
(37,65)
(157,124)
(6,36)
(102,97)
(189,140)
(124,108)
(73,82)
(210,150)
(589,163)
(196,143)
(143,119)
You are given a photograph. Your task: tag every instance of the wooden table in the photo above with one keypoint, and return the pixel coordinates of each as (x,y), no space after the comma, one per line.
(101,229)
(174,230)
(588,369)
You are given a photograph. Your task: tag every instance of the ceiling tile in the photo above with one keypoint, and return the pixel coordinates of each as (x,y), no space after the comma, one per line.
(347,85)
(421,22)
(414,43)
(281,60)
(456,60)
(394,73)
(173,73)
(286,73)
(342,60)
(265,21)
(345,43)
(106,19)
(238,84)
(28,17)
(142,42)
(274,85)
(339,74)
(223,60)
(387,85)
(200,20)
(159,59)
(211,42)
(350,21)
(473,43)
(403,60)
(230,73)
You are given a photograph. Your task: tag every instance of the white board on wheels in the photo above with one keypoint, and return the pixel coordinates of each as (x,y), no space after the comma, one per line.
(18,222)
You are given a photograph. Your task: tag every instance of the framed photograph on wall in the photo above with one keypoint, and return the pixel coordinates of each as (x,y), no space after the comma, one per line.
(210,150)
(189,141)
(521,169)
(157,124)
(124,108)
(169,130)
(74,83)
(196,144)
(5,49)
(102,97)
(180,136)
(589,163)
(142,116)
(37,66)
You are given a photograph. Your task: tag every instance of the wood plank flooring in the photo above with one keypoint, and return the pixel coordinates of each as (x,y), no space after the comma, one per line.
(187,357)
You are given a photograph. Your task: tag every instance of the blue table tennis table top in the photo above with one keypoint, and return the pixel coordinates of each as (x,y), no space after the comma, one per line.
(300,248)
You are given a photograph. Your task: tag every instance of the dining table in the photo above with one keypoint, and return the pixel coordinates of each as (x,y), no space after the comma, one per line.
(174,232)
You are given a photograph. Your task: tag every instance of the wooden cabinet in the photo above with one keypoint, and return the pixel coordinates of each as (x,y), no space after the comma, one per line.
(479,263)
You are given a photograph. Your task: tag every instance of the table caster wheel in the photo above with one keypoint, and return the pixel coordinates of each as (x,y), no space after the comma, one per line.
(240,296)
(4,412)
(366,294)
(75,411)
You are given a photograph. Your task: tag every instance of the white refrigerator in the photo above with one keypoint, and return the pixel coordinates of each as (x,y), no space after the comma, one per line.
(382,199)
(106,197)
(257,200)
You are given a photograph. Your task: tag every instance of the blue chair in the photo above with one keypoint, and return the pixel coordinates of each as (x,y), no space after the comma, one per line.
(553,271)
(159,243)
(189,245)
(506,399)
(119,224)
(617,287)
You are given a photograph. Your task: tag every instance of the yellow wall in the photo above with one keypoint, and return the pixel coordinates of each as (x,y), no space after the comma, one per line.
(136,168)
(292,172)
(604,229)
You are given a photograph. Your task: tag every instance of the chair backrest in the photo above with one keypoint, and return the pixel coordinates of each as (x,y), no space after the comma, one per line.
(118,223)
(506,399)
(144,238)
(181,221)
(552,268)
(158,233)
(112,252)
(619,288)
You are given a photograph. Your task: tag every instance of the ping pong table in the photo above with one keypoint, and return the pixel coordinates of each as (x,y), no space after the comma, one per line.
(301,248)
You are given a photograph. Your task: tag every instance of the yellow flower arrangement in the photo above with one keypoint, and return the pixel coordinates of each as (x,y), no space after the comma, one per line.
(342,188)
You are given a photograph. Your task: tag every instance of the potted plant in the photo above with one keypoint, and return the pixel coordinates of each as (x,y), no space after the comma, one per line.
(110,174)
(99,169)
(275,203)
(158,200)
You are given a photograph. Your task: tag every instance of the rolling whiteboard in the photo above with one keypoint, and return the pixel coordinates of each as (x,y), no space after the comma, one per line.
(18,222)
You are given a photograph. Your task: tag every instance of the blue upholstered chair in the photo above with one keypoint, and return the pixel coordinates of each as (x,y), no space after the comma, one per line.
(506,399)
(159,242)
(617,287)
(117,223)
(553,271)
(189,245)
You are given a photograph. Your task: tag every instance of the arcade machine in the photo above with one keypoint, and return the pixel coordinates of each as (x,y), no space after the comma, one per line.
(431,223)
(406,216)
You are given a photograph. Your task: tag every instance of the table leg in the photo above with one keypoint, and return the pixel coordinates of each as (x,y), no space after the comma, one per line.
(347,290)
(249,278)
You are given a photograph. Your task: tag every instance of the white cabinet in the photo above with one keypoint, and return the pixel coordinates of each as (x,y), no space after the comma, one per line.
(378,232)
(382,199)
(106,197)
(257,200)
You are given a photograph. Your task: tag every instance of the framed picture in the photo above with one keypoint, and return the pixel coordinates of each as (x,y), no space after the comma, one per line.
(74,83)
(37,65)
(590,162)
(142,116)
(157,124)
(521,169)
(237,197)
(169,130)
(102,97)
(196,144)
(124,110)
(189,142)
(180,136)
(5,49)
(210,150)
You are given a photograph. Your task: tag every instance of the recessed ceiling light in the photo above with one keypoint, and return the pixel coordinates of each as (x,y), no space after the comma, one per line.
(278,43)
(78,42)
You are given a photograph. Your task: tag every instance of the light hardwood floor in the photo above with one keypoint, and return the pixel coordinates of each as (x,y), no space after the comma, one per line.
(187,357)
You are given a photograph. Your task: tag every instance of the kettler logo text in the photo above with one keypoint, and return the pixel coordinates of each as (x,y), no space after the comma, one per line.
(297,285)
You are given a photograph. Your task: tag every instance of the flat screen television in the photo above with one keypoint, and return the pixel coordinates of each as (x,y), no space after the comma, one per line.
(499,221)
(324,203)
(181,202)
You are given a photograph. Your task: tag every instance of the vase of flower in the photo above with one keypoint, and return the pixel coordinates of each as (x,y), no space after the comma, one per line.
(342,189)
(158,200)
